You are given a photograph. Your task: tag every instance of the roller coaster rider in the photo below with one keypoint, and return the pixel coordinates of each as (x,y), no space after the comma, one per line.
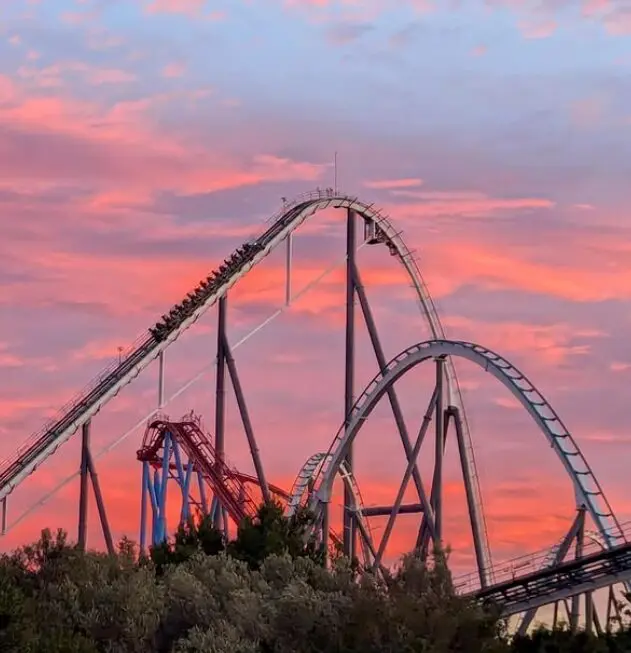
(193,299)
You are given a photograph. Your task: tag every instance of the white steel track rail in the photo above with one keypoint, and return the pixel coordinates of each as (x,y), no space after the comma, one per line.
(109,383)
(586,486)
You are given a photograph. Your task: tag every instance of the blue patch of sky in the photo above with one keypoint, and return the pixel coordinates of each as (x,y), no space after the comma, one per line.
(266,56)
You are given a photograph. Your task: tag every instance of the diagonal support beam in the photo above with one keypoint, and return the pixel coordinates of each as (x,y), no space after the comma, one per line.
(245,418)
(88,472)
(427,418)
(563,550)
(100,505)
(453,413)
(394,400)
(424,533)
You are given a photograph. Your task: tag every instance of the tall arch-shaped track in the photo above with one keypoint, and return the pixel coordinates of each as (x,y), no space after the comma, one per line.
(587,488)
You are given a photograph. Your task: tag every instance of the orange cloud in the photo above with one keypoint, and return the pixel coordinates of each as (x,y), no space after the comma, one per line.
(127,149)
(493,267)
(551,344)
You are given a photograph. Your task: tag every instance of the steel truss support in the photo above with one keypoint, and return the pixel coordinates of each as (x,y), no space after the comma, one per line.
(349,538)
(427,418)
(220,516)
(592,622)
(394,401)
(288,266)
(447,416)
(172,469)
(453,415)
(226,359)
(88,472)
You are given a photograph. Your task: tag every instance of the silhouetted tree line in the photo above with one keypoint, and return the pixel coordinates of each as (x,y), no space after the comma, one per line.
(264,592)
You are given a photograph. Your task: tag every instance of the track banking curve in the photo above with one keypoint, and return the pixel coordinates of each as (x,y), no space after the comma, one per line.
(148,347)
(588,490)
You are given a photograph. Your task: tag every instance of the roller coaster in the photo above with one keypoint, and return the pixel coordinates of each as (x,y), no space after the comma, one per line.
(183,453)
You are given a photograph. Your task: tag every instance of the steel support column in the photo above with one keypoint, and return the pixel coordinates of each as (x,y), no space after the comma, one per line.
(288,261)
(427,418)
(220,397)
(325,534)
(143,506)
(161,377)
(454,414)
(245,418)
(440,449)
(100,505)
(559,557)
(349,538)
(82,536)
(580,542)
(392,397)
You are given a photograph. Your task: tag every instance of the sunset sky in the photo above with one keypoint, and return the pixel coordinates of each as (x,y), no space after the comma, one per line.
(141,141)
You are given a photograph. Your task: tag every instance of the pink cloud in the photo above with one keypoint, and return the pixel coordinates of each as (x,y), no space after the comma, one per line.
(392,184)
(462,203)
(174,69)
(190,8)
(551,344)
(128,150)
(537,28)
(479,50)
(589,112)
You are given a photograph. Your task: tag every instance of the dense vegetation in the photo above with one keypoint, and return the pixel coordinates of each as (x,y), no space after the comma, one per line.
(266,591)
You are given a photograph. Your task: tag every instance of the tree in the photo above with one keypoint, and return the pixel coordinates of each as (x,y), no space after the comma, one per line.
(271,533)
(198,534)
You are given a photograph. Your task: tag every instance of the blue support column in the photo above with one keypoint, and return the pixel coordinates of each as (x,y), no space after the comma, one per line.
(171,467)
(143,506)
(202,493)
(164,484)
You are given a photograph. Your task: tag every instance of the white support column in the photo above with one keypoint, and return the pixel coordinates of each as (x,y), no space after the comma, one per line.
(161,380)
(288,262)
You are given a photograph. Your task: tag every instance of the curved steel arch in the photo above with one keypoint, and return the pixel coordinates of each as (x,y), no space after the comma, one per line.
(108,384)
(585,483)
(309,472)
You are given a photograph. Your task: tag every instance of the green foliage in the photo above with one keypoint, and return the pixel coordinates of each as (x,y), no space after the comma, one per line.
(197,535)
(265,592)
(271,533)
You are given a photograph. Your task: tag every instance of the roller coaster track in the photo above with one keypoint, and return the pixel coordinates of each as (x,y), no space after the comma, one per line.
(229,486)
(587,489)
(226,482)
(148,347)
(586,574)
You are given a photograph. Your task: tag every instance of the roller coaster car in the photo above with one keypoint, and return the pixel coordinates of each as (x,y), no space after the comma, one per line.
(372,233)
(159,332)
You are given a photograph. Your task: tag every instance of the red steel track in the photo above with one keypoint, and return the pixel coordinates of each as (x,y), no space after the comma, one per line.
(231,487)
